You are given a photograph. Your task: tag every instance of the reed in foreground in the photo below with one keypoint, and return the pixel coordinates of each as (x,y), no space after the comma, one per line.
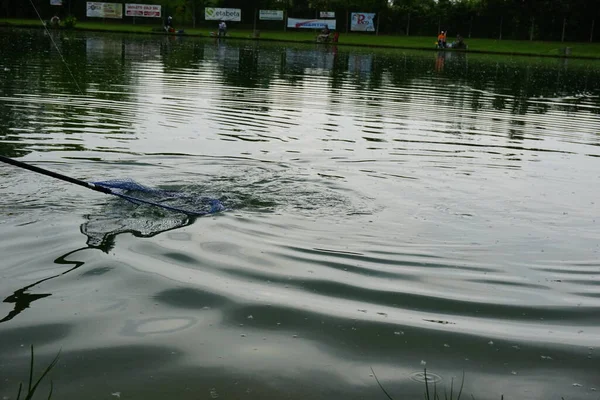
(428,395)
(31,388)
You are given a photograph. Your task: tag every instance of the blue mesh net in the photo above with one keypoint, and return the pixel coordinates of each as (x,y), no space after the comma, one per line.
(172,200)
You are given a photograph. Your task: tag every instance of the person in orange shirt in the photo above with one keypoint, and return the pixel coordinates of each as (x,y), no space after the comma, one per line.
(441,39)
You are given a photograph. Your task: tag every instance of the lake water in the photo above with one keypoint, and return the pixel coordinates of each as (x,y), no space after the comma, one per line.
(388,211)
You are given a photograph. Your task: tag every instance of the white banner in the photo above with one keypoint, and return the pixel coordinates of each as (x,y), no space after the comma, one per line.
(222,14)
(104,10)
(142,10)
(327,14)
(310,23)
(271,15)
(362,22)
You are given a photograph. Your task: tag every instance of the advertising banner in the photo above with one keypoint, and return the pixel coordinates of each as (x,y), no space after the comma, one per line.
(327,14)
(362,22)
(310,23)
(271,15)
(142,10)
(56,2)
(104,10)
(222,14)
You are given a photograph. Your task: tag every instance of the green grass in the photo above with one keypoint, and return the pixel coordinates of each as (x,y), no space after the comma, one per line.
(517,47)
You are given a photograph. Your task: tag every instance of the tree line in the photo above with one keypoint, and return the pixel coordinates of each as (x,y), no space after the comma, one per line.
(558,20)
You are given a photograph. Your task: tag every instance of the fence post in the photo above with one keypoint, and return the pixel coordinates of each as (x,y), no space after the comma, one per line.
(592,31)
(562,38)
(378,19)
(408,25)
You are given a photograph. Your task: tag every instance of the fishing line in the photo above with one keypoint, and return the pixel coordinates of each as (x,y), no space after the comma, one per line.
(57,49)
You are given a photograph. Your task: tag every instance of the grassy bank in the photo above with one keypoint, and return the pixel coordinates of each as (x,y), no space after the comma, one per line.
(517,47)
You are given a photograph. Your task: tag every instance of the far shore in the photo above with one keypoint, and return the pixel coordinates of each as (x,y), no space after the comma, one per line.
(579,50)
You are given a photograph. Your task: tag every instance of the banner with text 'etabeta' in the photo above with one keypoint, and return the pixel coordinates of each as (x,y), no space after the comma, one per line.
(222,14)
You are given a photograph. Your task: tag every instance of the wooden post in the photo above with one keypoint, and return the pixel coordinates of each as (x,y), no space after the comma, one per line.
(285,15)
(348,22)
(531,30)
(378,19)
(194,14)
(562,38)
(592,31)
(470,26)
(408,25)
(255,16)
(501,21)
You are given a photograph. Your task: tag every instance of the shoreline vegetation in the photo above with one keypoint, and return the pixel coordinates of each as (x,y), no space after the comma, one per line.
(575,50)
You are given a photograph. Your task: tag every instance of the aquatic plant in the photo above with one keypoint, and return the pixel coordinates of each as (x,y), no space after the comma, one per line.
(31,388)
(431,396)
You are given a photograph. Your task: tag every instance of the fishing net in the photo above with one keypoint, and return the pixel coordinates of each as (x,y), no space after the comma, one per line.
(147,212)
(172,200)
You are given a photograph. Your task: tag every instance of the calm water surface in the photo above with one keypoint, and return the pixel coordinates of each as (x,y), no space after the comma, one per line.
(387,209)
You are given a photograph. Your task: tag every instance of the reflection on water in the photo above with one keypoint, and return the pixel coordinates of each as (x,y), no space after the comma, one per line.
(386,209)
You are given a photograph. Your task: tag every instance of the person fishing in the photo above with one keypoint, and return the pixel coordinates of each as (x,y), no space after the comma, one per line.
(169,24)
(324,36)
(55,21)
(460,42)
(441,40)
(222,28)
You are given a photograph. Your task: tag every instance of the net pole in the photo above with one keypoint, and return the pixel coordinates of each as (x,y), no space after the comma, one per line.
(55,175)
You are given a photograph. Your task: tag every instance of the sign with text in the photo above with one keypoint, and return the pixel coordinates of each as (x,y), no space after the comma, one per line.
(327,14)
(222,14)
(362,22)
(142,10)
(104,10)
(310,23)
(271,15)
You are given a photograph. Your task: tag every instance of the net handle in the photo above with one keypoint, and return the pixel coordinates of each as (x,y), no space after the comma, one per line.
(55,175)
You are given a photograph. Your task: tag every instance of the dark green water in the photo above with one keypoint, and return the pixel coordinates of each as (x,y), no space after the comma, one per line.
(387,209)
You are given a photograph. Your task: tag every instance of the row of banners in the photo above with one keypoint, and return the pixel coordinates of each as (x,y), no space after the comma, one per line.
(115,10)
(360,22)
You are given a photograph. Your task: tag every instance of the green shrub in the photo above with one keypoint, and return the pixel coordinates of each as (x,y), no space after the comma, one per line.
(70,22)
